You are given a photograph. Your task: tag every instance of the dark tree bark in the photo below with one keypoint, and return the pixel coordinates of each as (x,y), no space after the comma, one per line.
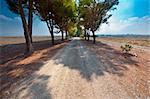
(30,20)
(62,35)
(94,37)
(50,28)
(88,36)
(29,47)
(66,34)
(85,33)
(52,34)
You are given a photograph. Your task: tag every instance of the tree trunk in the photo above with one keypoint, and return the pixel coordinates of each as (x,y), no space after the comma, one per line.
(50,28)
(30,20)
(85,33)
(66,34)
(29,47)
(94,37)
(52,35)
(62,35)
(88,36)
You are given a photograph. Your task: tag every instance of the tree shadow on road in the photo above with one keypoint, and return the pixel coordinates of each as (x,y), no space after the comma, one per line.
(113,58)
(33,87)
(95,59)
(13,51)
(21,67)
(114,61)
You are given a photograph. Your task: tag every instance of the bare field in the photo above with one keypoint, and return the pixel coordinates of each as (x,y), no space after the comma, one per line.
(17,40)
(135,41)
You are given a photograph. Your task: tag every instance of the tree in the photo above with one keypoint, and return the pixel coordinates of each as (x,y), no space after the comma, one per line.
(84,16)
(94,13)
(57,14)
(30,18)
(72,29)
(44,10)
(65,15)
(18,7)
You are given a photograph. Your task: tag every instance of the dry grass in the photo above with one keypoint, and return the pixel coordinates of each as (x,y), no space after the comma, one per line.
(134,41)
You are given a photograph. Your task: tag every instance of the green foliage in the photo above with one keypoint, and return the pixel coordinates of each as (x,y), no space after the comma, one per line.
(14,7)
(126,48)
(67,15)
(72,30)
(62,12)
(82,36)
(93,13)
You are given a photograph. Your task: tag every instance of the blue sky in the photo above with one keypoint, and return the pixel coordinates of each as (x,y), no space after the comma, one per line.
(131,17)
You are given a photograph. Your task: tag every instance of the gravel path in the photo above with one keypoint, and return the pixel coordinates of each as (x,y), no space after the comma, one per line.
(73,73)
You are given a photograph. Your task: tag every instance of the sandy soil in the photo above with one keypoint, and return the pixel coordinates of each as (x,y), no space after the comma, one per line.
(135,41)
(82,70)
(132,69)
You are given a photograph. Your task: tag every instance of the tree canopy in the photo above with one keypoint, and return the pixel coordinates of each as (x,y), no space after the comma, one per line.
(93,13)
(68,16)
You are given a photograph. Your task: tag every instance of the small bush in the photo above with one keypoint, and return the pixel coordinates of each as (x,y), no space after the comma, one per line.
(81,36)
(126,48)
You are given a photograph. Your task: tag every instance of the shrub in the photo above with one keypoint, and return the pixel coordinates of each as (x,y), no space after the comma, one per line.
(82,36)
(126,48)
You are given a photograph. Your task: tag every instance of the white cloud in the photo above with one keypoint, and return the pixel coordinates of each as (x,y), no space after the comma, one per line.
(133,25)
(10,26)
(13,27)
(3,17)
(17,18)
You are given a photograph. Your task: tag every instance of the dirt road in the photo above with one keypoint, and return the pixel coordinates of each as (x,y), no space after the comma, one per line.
(73,73)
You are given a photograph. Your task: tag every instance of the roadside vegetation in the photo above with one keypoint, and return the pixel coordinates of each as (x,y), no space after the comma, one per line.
(126,48)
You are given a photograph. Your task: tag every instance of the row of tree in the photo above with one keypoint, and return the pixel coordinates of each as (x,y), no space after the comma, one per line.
(64,15)
(93,13)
